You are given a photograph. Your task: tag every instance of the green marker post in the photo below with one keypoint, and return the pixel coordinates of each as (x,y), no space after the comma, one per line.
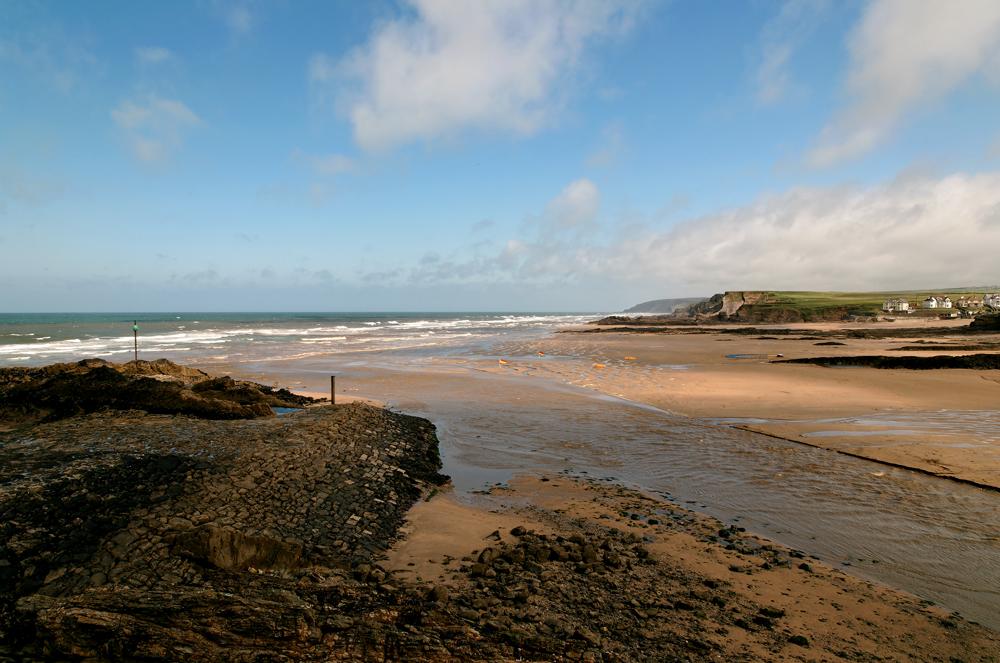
(135,338)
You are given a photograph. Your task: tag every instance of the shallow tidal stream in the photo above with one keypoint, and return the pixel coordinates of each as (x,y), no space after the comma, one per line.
(935,538)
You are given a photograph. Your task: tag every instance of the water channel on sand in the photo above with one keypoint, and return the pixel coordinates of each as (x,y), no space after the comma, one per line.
(935,538)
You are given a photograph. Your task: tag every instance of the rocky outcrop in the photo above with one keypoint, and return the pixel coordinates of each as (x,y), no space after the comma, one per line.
(640,320)
(232,550)
(161,387)
(986,323)
(725,305)
(132,535)
(978,362)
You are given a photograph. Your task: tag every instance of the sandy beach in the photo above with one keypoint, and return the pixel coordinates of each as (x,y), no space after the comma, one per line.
(798,609)
(726,376)
(665,411)
(546,450)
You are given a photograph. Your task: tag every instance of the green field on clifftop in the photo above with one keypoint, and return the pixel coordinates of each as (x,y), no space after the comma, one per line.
(813,304)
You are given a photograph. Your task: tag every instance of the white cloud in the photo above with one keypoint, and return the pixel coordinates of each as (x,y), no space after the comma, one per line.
(152,54)
(453,65)
(781,37)
(911,233)
(575,207)
(154,126)
(905,53)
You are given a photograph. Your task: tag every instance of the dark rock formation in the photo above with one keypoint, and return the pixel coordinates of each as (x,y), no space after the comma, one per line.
(986,323)
(977,362)
(161,387)
(127,536)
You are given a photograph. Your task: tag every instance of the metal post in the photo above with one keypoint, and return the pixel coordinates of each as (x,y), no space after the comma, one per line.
(333,390)
(135,338)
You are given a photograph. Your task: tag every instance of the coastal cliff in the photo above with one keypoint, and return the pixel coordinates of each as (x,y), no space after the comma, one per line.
(752,307)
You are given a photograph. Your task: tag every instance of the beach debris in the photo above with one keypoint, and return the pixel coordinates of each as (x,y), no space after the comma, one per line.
(503,362)
(599,366)
(629,358)
(541,354)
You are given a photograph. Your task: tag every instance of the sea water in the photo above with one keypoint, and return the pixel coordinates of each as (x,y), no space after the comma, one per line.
(198,338)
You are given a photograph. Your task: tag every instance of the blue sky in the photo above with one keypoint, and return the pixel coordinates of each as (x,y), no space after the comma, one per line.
(508,155)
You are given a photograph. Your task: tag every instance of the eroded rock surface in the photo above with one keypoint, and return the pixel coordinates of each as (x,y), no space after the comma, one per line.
(161,387)
(114,525)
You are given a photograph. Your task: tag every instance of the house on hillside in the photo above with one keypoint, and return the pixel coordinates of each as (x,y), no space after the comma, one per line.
(969,302)
(937,302)
(896,306)
(992,300)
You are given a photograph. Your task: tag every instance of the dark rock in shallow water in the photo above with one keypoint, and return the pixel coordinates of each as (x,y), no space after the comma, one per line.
(974,362)
(159,387)
(986,323)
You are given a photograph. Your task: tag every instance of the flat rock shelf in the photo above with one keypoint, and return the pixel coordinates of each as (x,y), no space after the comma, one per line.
(171,510)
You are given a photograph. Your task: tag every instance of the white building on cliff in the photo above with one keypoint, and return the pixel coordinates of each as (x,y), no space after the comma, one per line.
(937,302)
(896,306)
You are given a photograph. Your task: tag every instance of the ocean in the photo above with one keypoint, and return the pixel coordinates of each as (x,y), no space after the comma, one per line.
(32,339)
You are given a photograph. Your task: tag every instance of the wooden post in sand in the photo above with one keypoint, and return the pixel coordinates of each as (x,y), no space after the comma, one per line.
(333,390)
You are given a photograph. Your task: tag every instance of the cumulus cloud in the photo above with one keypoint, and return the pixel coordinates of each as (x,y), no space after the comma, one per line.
(154,126)
(450,65)
(575,207)
(152,54)
(905,53)
(781,37)
(913,232)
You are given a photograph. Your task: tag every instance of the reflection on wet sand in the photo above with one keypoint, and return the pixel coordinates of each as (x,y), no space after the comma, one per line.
(934,538)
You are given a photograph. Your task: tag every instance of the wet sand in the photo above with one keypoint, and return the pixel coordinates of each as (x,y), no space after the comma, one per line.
(498,420)
(691,374)
(810,611)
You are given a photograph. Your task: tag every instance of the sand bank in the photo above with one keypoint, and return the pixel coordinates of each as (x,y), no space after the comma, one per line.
(716,375)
